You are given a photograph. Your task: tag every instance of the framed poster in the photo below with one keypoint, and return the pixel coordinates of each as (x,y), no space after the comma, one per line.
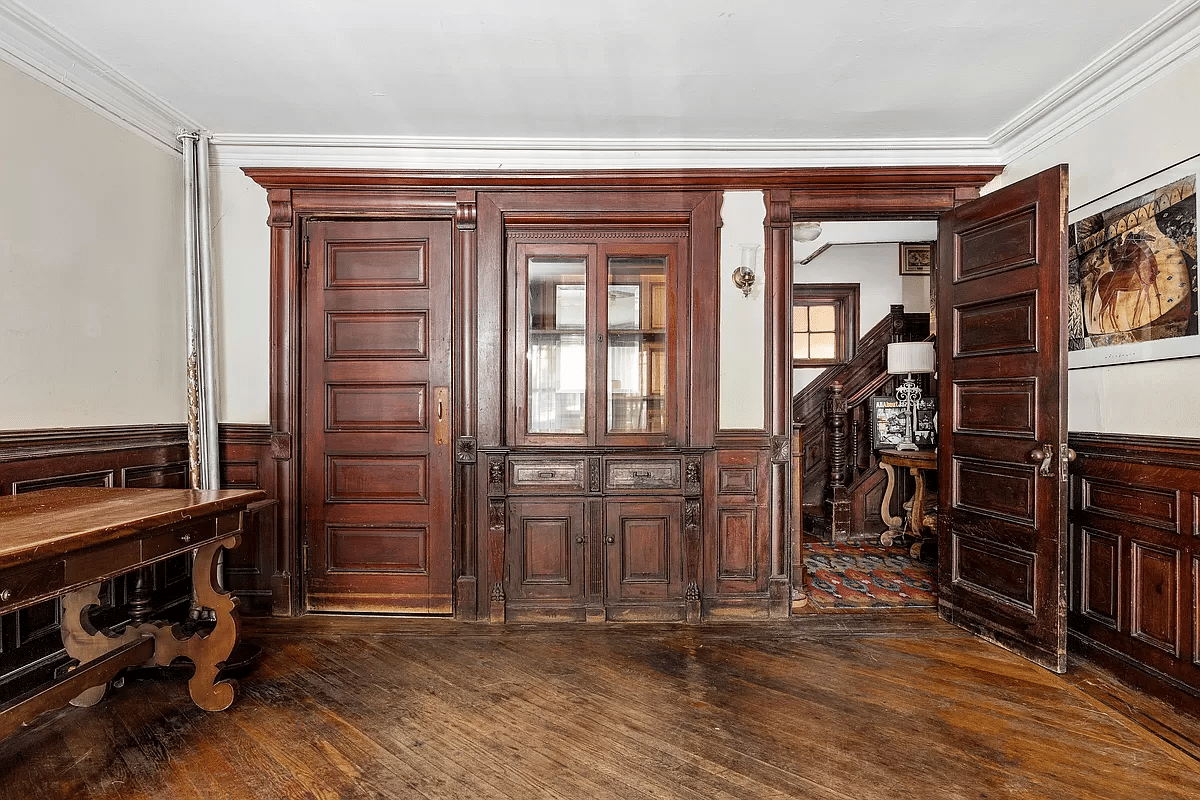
(1131,274)
(889,419)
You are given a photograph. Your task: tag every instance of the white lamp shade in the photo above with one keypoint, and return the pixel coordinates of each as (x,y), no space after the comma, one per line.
(906,357)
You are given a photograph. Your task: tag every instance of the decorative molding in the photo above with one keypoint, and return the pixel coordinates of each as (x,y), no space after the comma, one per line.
(31,45)
(496,515)
(279,208)
(781,449)
(691,514)
(693,592)
(1140,58)
(692,475)
(459,154)
(51,442)
(466,215)
(495,471)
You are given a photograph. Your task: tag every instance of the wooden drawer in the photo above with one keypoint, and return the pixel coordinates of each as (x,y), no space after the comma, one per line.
(642,474)
(547,474)
(20,587)
(187,537)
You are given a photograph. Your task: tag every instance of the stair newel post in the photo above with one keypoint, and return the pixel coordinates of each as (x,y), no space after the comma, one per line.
(837,432)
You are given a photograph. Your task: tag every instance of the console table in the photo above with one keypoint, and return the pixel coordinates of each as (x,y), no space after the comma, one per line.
(917,462)
(64,542)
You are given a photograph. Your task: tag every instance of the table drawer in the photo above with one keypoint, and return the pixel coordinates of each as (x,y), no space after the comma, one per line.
(642,474)
(187,537)
(20,587)
(547,474)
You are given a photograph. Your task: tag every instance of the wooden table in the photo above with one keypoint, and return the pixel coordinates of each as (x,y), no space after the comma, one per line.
(64,542)
(917,462)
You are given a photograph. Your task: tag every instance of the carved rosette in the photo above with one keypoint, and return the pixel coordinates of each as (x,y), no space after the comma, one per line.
(464,451)
(781,449)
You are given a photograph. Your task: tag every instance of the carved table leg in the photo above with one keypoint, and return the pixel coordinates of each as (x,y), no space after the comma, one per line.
(84,642)
(210,651)
(895,524)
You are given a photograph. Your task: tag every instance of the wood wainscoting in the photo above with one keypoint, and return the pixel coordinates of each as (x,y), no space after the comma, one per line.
(134,456)
(1135,560)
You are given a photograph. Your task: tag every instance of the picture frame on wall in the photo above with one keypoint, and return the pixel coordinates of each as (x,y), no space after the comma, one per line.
(1131,273)
(916,258)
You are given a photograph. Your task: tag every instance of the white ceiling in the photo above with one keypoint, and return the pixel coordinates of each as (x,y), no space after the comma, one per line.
(922,75)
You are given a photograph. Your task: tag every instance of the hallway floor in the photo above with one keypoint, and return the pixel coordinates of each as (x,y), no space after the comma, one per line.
(865,574)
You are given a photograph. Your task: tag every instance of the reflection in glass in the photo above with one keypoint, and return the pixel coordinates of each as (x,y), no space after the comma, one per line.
(636,316)
(557,347)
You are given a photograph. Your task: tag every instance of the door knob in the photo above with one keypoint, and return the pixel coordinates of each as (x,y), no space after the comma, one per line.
(578,540)
(609,539)
(1044,454)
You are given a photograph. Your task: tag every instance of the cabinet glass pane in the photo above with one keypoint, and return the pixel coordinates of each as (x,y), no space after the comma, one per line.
(637,318)
(557,349)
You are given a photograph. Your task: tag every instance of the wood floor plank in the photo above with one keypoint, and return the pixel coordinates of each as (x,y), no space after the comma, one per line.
(864,706)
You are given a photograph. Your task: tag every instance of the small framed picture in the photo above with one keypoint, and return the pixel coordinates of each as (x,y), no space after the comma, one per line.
(889,419)
(916,258)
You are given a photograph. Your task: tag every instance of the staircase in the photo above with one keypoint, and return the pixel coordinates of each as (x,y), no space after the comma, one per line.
(842,485)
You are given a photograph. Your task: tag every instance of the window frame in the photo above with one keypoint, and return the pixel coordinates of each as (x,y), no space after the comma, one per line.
(845,299)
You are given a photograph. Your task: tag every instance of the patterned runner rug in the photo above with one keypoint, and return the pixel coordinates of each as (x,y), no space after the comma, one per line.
(865,574)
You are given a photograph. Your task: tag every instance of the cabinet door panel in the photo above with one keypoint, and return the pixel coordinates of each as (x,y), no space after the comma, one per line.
(644,544)
(545,550)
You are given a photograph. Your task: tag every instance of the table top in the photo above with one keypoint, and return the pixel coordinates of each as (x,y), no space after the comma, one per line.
(54,522)
(925,459)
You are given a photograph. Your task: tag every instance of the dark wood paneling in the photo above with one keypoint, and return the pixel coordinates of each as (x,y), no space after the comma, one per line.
(1136,559)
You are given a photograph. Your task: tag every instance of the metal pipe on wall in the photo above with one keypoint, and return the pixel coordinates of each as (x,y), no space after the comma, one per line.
(203,455)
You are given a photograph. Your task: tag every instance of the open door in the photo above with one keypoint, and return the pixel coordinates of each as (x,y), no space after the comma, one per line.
(1002,447)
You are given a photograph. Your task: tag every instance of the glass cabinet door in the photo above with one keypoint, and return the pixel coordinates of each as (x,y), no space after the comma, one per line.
(636,316)
(556,353)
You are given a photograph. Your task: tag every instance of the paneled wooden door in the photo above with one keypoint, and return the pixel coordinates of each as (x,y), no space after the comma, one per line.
(1003,431)
(377,463)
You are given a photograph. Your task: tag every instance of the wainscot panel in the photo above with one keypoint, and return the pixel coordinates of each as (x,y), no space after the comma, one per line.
(1135,560)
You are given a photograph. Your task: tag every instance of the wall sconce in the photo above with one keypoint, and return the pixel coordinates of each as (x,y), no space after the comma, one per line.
(743,276)
(907,358)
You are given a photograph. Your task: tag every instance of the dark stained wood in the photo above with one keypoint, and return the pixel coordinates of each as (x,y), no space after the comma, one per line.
(63,543)
(907,707)
(1002,354)
(378,464)
(50,524)
(1135,555)
(862,180)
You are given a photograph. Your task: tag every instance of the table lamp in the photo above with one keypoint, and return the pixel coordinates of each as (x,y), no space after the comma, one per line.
(908,359)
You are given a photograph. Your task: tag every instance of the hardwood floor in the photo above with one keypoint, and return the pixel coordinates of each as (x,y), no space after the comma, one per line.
(874,705)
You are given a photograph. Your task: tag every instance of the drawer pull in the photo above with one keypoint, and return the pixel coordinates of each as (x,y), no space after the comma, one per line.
(185,538)
(642,473)
(4,595)
(547,474)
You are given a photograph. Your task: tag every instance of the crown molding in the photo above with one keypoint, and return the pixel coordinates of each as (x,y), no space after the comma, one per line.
(31,45)
(1142,57)
(395,152)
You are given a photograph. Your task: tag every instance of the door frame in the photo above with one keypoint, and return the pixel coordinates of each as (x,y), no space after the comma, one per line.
(296,194)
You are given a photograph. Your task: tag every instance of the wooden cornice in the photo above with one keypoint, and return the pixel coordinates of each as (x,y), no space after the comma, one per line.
(795,178)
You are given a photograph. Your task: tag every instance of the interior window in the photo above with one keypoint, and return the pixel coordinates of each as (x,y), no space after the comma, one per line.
(824,323)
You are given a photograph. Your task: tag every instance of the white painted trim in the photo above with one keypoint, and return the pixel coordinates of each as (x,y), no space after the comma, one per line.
(1145,55)
(534,154)
(30,44)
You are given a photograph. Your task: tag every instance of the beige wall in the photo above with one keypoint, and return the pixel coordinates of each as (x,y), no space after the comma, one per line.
(1151,131)
(91,267)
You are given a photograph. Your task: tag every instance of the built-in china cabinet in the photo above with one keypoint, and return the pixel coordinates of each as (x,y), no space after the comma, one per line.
(602,496)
